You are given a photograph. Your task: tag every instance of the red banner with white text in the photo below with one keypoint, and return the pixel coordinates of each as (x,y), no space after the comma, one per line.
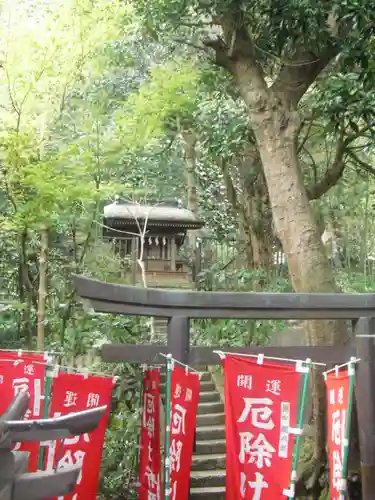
(337,385)
(149,470)
(184,403)
(24,372)
(260,408)
(73,393)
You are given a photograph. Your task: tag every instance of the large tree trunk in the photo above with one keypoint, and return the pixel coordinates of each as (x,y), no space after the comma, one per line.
(276,128)
(309,267)
(275,123)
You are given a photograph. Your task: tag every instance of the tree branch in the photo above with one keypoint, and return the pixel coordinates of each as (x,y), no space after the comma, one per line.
(231,192)
(221,52)
(360,163)
(235,52)
(296,76)
(351,136)
(313,163)
(332,175)
(191,44)
(307,135)
(237,206)
(161,151)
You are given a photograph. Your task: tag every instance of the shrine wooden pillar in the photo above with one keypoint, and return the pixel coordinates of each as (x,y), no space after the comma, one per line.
(173,253)
(134,256)
(365,396)
(179,338)
(179,345)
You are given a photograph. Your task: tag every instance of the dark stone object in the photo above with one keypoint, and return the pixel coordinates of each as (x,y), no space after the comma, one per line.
(15,482)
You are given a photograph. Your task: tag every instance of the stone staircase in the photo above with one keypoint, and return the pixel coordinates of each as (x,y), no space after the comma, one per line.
(207,479)
(160,330)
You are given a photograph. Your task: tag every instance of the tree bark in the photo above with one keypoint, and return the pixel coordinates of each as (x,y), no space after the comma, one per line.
(250,205)
(189,143)
(42,293)
(26,290)
(239,212)
(190,139)
(276,125)
(256,202)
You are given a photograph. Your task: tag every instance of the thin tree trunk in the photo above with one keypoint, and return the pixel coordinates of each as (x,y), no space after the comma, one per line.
(260,221)
(42,293)
(239,212)
(190,140)
(256,204)
(26,291)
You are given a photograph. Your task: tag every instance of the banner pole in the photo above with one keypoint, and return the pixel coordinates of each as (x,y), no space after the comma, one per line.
(290,493)
(140,408)
(167,464)
(345,451)
(46,407)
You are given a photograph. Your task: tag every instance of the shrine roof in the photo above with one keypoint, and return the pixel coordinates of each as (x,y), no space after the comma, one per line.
(154,214)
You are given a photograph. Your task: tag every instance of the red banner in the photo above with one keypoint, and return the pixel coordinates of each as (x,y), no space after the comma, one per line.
(260,408)
(149,472)
(337,413)
(72,393)
(184,403)
(23,372)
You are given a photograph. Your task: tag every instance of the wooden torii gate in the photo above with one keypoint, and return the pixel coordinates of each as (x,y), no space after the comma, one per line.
(181,306)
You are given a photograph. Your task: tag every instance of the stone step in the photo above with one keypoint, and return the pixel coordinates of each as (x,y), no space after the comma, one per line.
(210,432)
(214,493)
(210,419)
(207,446)
(209,397)
(208,407)
(209,478)
(205,377)
(212,461)
(207,386)
(208,392)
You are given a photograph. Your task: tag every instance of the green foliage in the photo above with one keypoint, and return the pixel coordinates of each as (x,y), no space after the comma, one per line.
(278,28)
(237,332)
(169,95)
(119,463)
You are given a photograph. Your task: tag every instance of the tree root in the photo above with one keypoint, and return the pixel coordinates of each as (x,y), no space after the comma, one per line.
(313,482)
(310,484)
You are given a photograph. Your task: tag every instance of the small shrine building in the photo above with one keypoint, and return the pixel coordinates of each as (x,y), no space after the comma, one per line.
(163,229)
